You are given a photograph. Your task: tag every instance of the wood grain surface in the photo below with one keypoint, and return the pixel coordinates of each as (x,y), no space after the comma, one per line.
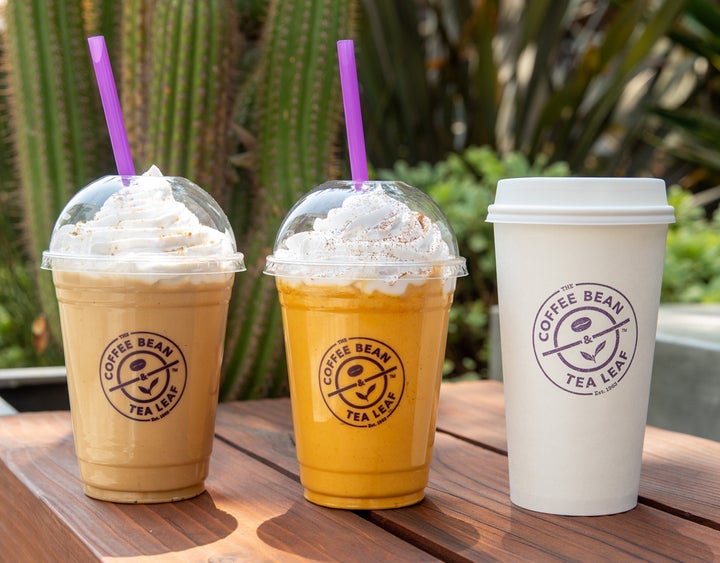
(254,510)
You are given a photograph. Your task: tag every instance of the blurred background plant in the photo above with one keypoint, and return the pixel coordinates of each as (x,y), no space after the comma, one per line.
(569,80)
(242,96)
(692,259)
(587,87)
(689,131)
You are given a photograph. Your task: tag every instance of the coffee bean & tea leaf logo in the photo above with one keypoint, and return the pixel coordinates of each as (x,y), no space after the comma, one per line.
(361,381)
(143,375)
(584,338)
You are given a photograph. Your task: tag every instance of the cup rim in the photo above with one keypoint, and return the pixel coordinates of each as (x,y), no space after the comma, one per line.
(142,264)
(575,215)
(571,200)
(345,268)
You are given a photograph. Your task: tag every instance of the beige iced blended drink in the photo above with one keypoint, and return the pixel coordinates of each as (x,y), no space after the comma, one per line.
(143,268)
(365,276)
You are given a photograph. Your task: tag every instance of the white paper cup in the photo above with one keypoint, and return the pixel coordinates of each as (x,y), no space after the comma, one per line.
(579,270)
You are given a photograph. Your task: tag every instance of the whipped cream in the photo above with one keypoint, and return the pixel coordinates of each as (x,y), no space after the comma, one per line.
(371,237)
(372,226)
(140,227)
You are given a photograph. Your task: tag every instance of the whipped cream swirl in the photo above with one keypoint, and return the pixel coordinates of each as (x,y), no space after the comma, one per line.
(372,240)
(371,226)
(143,227)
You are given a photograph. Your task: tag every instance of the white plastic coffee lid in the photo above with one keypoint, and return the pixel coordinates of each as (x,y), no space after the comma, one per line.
(581,201)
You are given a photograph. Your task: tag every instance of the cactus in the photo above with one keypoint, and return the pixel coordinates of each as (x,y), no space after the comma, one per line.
(58,129)
(181,119)
(132,62)
(178,66)
(297,110)
(9,249)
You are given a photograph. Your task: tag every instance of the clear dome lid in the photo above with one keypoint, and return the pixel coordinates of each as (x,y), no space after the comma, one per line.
(143,224)
(366,230)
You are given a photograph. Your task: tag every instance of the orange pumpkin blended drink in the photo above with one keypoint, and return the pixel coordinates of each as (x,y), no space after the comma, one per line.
(365,273)
(143,268)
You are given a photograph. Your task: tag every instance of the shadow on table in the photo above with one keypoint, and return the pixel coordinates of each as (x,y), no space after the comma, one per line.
(431,527)
(121,530)
(176,526)
(607,538)
(301,531)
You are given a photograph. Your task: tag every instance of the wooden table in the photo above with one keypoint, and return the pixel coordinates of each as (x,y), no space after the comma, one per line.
(254,510)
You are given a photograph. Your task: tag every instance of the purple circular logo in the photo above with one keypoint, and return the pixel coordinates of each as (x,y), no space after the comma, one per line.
(584,338)
(362,381)
(143,375)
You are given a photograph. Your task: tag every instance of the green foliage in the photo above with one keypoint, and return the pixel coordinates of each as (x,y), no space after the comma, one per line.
(56,123)
(692,257)
(17,312)
(568,80)
(180,86)
(463,185)
(690,130)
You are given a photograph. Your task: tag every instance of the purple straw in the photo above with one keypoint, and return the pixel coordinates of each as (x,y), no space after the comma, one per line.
(111,106)
(353,115)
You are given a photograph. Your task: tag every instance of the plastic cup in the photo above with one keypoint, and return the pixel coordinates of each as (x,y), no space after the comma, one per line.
(365,342)
(143,332)
(579,270)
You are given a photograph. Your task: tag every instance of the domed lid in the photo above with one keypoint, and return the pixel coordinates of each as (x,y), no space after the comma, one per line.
(366,230)
(143,224)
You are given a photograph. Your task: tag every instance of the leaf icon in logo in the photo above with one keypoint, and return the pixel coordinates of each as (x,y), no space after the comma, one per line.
(587,356)
(592,357)
(365,397)
(147,390)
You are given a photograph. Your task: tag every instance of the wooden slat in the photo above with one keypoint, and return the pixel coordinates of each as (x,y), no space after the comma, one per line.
(254,507)
(467,512)
(28,527)
(262,428)
(250,512)
(680,472)
(474,411)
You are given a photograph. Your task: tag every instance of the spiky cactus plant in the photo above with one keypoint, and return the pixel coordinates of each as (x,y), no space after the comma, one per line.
(297,112)
(176,62)
(58,129)
(179,62)
(132,57)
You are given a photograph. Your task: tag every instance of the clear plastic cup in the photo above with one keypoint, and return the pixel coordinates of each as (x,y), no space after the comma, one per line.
(365,318)
(143,315)
(579,270)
